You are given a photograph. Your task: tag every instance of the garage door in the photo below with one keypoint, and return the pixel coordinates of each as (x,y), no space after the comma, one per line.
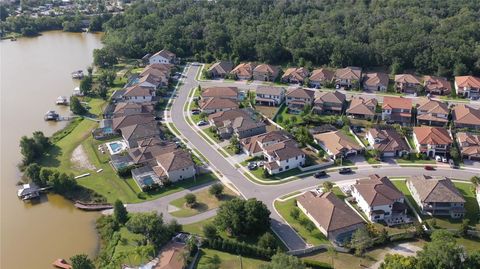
(475,158)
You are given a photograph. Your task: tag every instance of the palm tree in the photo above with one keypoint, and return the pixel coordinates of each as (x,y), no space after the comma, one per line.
(333,253)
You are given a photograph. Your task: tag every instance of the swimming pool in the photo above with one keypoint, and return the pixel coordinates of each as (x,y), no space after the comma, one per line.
(116,147)
(147,180)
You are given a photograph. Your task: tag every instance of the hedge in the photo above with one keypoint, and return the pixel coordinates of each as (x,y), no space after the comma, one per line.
(235,247)
(317,264)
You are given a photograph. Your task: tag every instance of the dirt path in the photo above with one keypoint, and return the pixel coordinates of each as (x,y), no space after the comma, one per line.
(80,160)
(405,249)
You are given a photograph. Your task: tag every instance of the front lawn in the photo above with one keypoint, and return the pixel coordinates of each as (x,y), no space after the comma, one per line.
(414,161)
(227,260)
(205,202)
(259,173)
(314,237)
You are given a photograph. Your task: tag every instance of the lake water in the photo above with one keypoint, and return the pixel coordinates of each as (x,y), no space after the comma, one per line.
(33,73)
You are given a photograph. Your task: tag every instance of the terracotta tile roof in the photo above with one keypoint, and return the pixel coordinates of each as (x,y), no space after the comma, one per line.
(390,140)
(238,119)
(218,103)
(335,97)
(171,256)
(267,69)
(159,73)
(397,102)
(329,211)
(432,190)
(376,79)
(378,190)
(298,92)
(322,74)
(244,69)
(337,142)
(436,84)
(222,67)
(224,92)
(428,110)
(138,90)
(362,106)
(432,135)
(162,67)
(252,144)
(469,143)
(296,73)
(270,90)
(150,78)
(467,82)
(350,72)
(464,114)
(407,78)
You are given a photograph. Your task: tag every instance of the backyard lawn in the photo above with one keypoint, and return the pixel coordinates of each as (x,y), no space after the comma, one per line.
(315,237)
(205,202)
(228,260)
(126,246)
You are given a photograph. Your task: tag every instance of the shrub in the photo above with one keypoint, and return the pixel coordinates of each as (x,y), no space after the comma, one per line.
(295,213)
(317,264)
(190,199)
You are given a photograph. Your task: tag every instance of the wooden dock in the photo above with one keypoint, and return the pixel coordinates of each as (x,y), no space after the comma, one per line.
(92,207)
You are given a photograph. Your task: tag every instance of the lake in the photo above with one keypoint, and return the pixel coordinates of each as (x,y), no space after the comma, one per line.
(34,72)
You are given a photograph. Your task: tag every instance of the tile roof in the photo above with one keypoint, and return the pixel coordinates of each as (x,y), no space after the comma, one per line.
(437,83)
(429,109)
(218,103)
(378,190)
(252,144)
(138,90)
(335,97)
(267,69)
(376,79)
(150,152)
(270,90)
(128,120)
(296,73)
(432,135)
(139,131)
(298,92)
(337,141)
(283,150)
(171,257)
(467,82)
(175,160)
(363,106)
(244,69)
(432,190)
(220,92)
(469,143)
(322,74)
(329,211)
(350,72)
(222,67)
(239,119)
(390,140)
(407,78)
(397,102)
(464,114)
(165,54)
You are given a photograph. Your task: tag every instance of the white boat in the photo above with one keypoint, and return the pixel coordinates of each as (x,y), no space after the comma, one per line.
(28,192)
(51,115)
(77,92)
(62,100)
(77,74)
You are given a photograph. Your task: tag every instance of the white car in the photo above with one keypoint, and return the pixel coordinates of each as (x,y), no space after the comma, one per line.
(444,160)
(438,158)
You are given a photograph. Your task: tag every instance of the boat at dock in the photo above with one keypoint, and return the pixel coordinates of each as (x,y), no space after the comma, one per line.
(91,206)
(62,100)
(77,74)
(61,263)
(51,115)
(28,192)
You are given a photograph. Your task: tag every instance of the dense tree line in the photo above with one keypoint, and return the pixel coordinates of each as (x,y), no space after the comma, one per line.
(437,37)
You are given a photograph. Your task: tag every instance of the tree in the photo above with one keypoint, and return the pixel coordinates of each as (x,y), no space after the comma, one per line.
(327,186)
(441,252)
(460,69)
(267,240)
(152,226)
(235,144)
(120,213)
(475,180)
(76,107)
(81,261)
(284,261)
(216,190)
(34,147)
(295,213)
(463,229)
(454,153)
(86,85)
(396,261)
(190,199)
(361,241)
(32,172)
(104,57)
(210,231)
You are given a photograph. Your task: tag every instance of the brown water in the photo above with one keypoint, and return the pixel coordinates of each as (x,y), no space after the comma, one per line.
(33,73)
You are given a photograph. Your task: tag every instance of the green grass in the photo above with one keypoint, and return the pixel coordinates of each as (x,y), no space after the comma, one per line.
(96,106)
(205,202)
(196,228)
(339,193)
(314,237)
(175,130)
(283,111)
(415,161)
(228,260)
(260,174)
(211,134)
(230,151)
(126,248)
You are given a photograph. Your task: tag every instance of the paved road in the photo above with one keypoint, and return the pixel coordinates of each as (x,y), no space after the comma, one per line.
(267,194)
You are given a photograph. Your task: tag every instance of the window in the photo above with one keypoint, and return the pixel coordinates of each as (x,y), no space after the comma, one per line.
(287,167)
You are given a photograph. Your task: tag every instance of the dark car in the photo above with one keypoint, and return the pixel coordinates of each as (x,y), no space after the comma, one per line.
(429,167)
(345,171)
(320,174)
(195,112)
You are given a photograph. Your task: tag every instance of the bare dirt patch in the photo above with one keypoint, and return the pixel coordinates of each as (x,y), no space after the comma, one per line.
(80,159)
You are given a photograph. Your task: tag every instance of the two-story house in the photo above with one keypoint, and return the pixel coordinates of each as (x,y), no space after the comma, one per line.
(464,116)
(379,199)
(329,102)
(432,112)
(220,69)
(467,86)
(362,108)
(407,83)
(436,85)
(337,144)
(163,57)
(254,145)
(139,94)
(216,104)
(222,92)
(295,75)
(375,81)
(432,141)
(469,145)
(321,77)
(397,110)
(265,72)
(283,156)
(348,77)
(297,98)
(437,197)
(238,122)
(388,142)
(243,71)
(270,96)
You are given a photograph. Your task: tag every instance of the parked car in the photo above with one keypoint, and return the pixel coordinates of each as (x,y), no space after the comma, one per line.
(345,171)
(195,111)
(429,167)
(320,174)
(202,123)
(444,160)
(260,163)
(438,158)
(252,166)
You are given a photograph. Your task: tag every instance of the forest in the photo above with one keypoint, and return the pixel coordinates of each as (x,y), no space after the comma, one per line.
(428,36)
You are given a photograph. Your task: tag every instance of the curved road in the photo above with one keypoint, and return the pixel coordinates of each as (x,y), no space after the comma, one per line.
(269,193)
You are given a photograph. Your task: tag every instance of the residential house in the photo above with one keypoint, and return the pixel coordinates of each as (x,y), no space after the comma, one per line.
(432,112)
(332,216)
(149,81)
(146,178)
(171,256)
(217,104)
(270,96)
(133,133)
(397,110)
(407,83)
(467,86)
(126,109)
(321,77)
(265,72)
(175,165)
(254,145)
(163,57)
(388,142)
(283,156)
(375,81)
(147,152)
(164,68)
(469,145)
(379,199)
(139,94)
(337,144)
(222,92)
(362,108)
(437,197)
(329,102)
(220,69)
(464,116)
(243,71)
(161,75)
(295,75)
(348,77)
(239,122)
(436,85)
(298,98)
(432,140)
(124,121)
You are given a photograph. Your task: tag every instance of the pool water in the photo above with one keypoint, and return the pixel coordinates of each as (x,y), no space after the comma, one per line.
(147,180)
(116,147)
